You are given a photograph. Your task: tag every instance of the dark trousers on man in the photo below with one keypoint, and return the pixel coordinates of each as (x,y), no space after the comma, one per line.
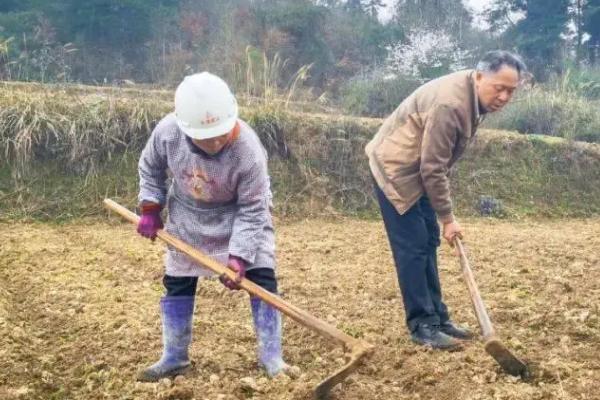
(414,238)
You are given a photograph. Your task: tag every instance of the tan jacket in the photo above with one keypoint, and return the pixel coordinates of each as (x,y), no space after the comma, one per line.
(418,143)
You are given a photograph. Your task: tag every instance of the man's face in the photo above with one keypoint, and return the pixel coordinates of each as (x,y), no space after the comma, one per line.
(213,145)
(495,89)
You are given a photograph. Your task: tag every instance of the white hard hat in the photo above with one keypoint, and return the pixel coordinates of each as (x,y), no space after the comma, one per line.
(204,106)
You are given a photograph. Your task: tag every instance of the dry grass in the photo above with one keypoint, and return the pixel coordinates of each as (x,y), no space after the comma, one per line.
(76,131)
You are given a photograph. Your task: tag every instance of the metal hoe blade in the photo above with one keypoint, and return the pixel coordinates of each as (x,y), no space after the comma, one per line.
(358,354)
(508,361)
(493,346)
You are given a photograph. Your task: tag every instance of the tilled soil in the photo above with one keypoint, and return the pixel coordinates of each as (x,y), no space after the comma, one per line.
(79,314)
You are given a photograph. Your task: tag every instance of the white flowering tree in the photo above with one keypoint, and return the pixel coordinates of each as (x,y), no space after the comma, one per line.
(426,55)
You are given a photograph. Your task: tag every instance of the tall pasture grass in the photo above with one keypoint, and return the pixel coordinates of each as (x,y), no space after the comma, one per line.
(78,132)
(375,94)
(567,107)
(267,81)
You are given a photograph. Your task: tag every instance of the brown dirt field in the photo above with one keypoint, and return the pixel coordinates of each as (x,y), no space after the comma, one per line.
(79,314)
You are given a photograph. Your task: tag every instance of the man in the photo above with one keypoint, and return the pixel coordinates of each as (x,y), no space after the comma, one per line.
(219,202)
(410,158)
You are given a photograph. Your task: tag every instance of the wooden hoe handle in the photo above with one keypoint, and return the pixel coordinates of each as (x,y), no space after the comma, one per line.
(485,323)
(493,346)
(288,309)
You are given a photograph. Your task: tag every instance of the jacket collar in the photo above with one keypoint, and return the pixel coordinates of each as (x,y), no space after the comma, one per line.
(478,117)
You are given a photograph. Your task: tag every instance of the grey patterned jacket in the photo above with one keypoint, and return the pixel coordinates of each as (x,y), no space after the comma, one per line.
(218,204)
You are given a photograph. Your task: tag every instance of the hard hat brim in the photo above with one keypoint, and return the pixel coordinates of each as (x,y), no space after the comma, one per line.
(209,133)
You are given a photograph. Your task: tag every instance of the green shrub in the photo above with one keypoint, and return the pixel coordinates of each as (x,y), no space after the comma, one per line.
(376,96)
(584,82)
(555,112)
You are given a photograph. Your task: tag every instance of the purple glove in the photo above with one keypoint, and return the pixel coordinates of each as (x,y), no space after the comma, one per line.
(238,265)
(151,221)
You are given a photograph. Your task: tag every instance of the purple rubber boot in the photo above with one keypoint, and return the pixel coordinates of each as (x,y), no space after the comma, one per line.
(177,313)
(267,325)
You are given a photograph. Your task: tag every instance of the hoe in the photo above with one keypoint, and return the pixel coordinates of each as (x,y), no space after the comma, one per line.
(356,350)
(493,346)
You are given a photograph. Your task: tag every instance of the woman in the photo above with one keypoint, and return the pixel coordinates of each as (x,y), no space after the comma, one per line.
(219,202)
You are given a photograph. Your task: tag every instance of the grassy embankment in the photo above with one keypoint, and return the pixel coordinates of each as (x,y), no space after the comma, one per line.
(65,149)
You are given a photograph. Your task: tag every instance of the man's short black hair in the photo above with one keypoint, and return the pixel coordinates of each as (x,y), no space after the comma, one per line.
(492,61)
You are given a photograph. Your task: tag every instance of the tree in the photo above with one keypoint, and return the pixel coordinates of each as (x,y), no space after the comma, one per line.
(426,55)
(578,7)
(369,7)
(302,23)
(354,5)
(538,35)
(357,42)
(372,7)
(449,16)
(504,14)
(11,6)
(591,25)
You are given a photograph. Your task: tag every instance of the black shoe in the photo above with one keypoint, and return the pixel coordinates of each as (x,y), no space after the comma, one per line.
(450,329)
(430,335)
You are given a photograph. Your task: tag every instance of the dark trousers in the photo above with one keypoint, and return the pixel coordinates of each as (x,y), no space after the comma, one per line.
(414,238)
(186,285)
